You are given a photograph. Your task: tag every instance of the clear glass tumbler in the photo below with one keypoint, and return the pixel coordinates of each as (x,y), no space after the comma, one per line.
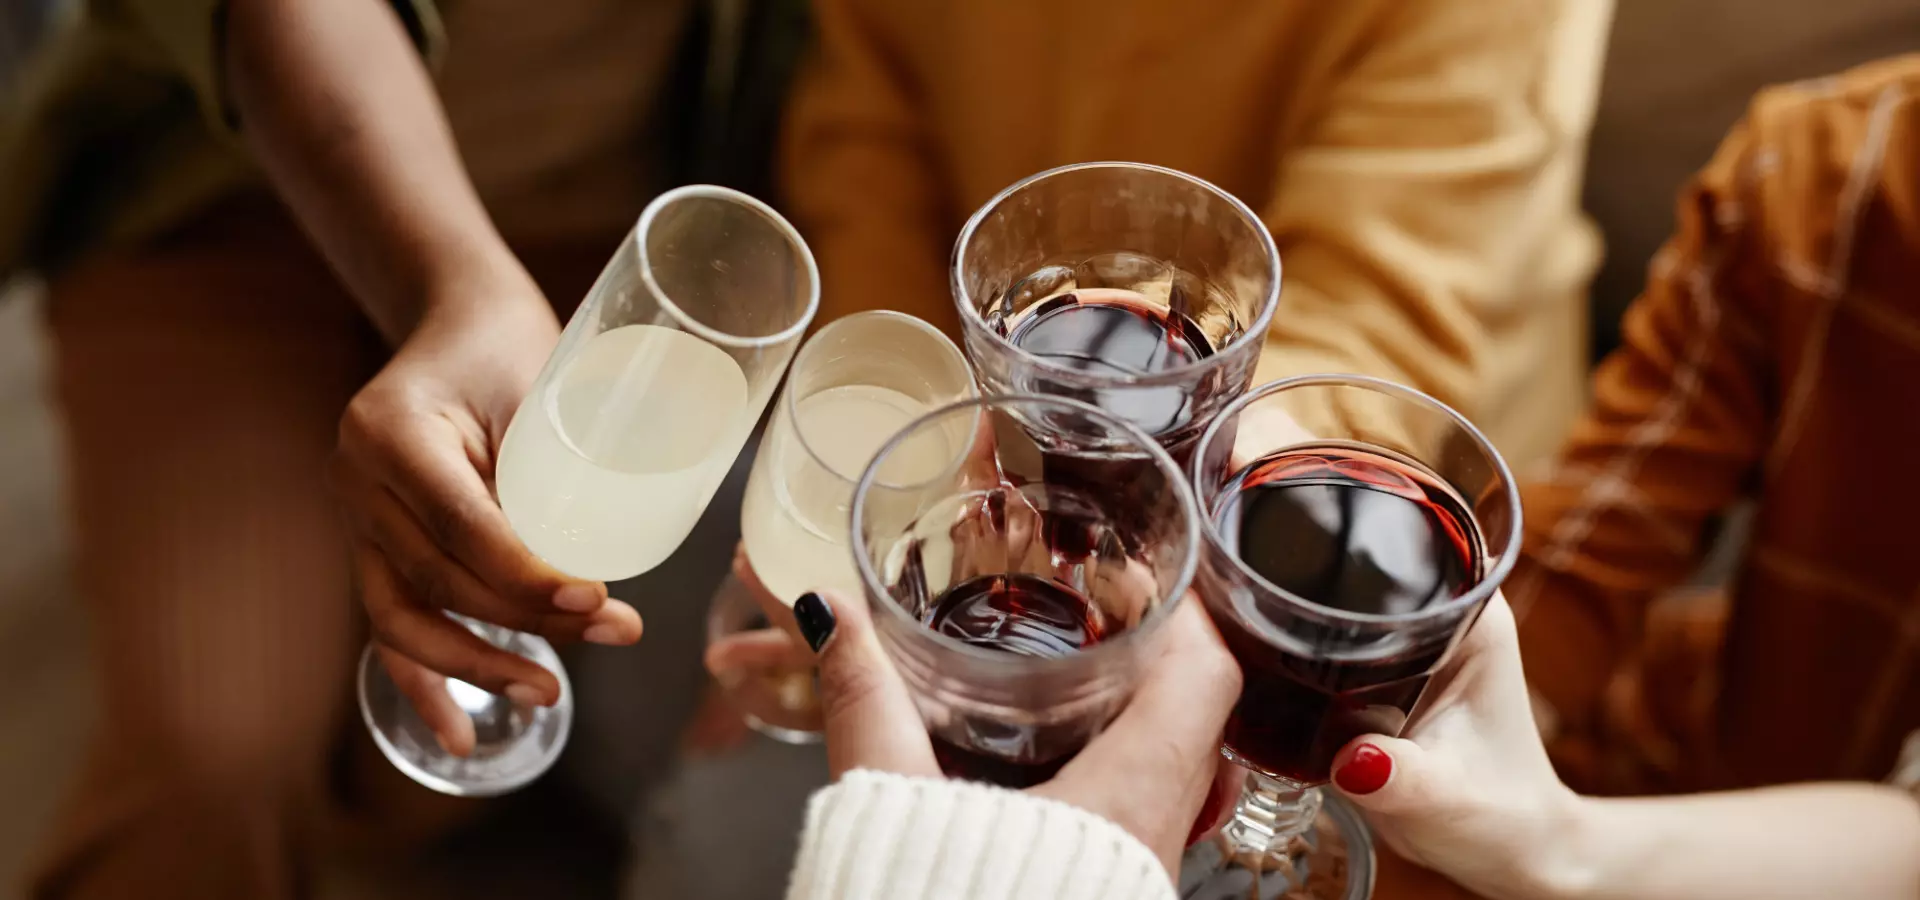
(1018,607)
(1354,530)
(655,385)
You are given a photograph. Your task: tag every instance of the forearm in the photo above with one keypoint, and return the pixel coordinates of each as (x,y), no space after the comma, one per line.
(1858,841)
(340,112)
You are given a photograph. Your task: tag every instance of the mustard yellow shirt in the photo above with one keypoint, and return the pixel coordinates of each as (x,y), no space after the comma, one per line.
(1417,161)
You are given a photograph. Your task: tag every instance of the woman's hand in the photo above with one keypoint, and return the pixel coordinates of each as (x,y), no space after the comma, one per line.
(413,470)
(1149,772)
(1467,790)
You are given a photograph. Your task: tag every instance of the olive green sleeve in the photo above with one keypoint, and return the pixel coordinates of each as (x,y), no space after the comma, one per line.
(189,35)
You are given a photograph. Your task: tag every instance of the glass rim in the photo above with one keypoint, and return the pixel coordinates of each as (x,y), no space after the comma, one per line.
(1482,591)
(687,321)
(1254,334)
(789,404)
(1150,623)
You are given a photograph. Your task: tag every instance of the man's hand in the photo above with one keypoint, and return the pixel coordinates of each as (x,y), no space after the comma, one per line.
(412,471)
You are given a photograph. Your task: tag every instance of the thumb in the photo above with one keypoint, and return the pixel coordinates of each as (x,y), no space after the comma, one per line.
(871,721)
(1389,776)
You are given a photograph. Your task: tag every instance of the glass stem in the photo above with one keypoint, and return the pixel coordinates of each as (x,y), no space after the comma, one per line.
(1271,813)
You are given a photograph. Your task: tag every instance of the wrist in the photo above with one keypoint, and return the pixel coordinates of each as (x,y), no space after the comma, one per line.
(1569,859)
(481,284)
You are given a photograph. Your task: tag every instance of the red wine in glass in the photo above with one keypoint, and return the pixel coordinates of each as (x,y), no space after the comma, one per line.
(1026,615)
(1119,334)
(1106,332)
(1358,531)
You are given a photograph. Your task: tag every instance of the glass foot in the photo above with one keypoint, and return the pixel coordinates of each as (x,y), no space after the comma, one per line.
(1332,861)
(513,744)
(767,674)
(791,736)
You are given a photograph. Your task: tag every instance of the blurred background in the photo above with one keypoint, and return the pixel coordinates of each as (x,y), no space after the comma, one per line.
(1679,72)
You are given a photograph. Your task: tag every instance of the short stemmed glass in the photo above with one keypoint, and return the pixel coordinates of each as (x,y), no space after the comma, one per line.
(1142,290)
(1019,606)
(656,383)
(1354,530)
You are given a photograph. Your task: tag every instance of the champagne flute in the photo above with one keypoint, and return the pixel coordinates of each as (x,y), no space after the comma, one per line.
(1354,530)
(855,383)
(655,385)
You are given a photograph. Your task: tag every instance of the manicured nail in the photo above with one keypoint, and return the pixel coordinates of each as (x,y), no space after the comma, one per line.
(526,695)
(1367,771)
(815,618)
(578,598)
(604,634)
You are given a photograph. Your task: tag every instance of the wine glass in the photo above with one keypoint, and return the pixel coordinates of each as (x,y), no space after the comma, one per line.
(1354,530)
(1144,291)
(1017,606)
(610,460)
(855,383)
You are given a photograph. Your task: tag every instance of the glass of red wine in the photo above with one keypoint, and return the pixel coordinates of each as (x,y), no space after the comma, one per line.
(1354,530)
(1141,290)
(1017,606)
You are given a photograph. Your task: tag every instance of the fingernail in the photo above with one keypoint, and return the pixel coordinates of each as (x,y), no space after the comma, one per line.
(815,618)
(526,695)
(1367,771)
(603,634)
(578,598)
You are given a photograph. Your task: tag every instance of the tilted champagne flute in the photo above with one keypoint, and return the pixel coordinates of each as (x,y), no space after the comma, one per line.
(612,457)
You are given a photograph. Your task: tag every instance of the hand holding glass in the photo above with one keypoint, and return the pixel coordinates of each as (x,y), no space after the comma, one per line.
(1354,530)
(614,453)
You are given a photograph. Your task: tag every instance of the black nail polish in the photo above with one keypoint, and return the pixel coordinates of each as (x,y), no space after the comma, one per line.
(815,617)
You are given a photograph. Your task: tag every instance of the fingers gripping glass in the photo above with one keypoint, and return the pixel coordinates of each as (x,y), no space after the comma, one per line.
(1018,606)
(614,453)
(1354,529)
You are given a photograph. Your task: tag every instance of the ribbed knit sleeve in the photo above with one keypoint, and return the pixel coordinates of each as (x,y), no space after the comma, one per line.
(879,836)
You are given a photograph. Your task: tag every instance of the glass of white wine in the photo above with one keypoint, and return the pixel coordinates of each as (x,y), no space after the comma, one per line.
(654,387)
(856,383)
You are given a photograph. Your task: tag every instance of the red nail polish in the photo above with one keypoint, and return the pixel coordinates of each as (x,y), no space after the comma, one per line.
(1366,771)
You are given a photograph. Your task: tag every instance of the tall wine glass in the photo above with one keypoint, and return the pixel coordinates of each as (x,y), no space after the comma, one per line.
(1018,606)
(1141,290)
(656,382)
(855,383)
(1354,530)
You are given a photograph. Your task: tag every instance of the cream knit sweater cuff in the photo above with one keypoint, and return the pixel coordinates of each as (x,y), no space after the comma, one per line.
(880,836)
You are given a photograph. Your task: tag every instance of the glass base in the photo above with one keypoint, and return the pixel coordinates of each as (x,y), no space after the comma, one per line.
(1333,860)
(793,736)
(513,744)
(776,694)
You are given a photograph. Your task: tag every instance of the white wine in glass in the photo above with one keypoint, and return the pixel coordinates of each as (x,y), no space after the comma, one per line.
(614,453)
(605,471)
(855,385)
